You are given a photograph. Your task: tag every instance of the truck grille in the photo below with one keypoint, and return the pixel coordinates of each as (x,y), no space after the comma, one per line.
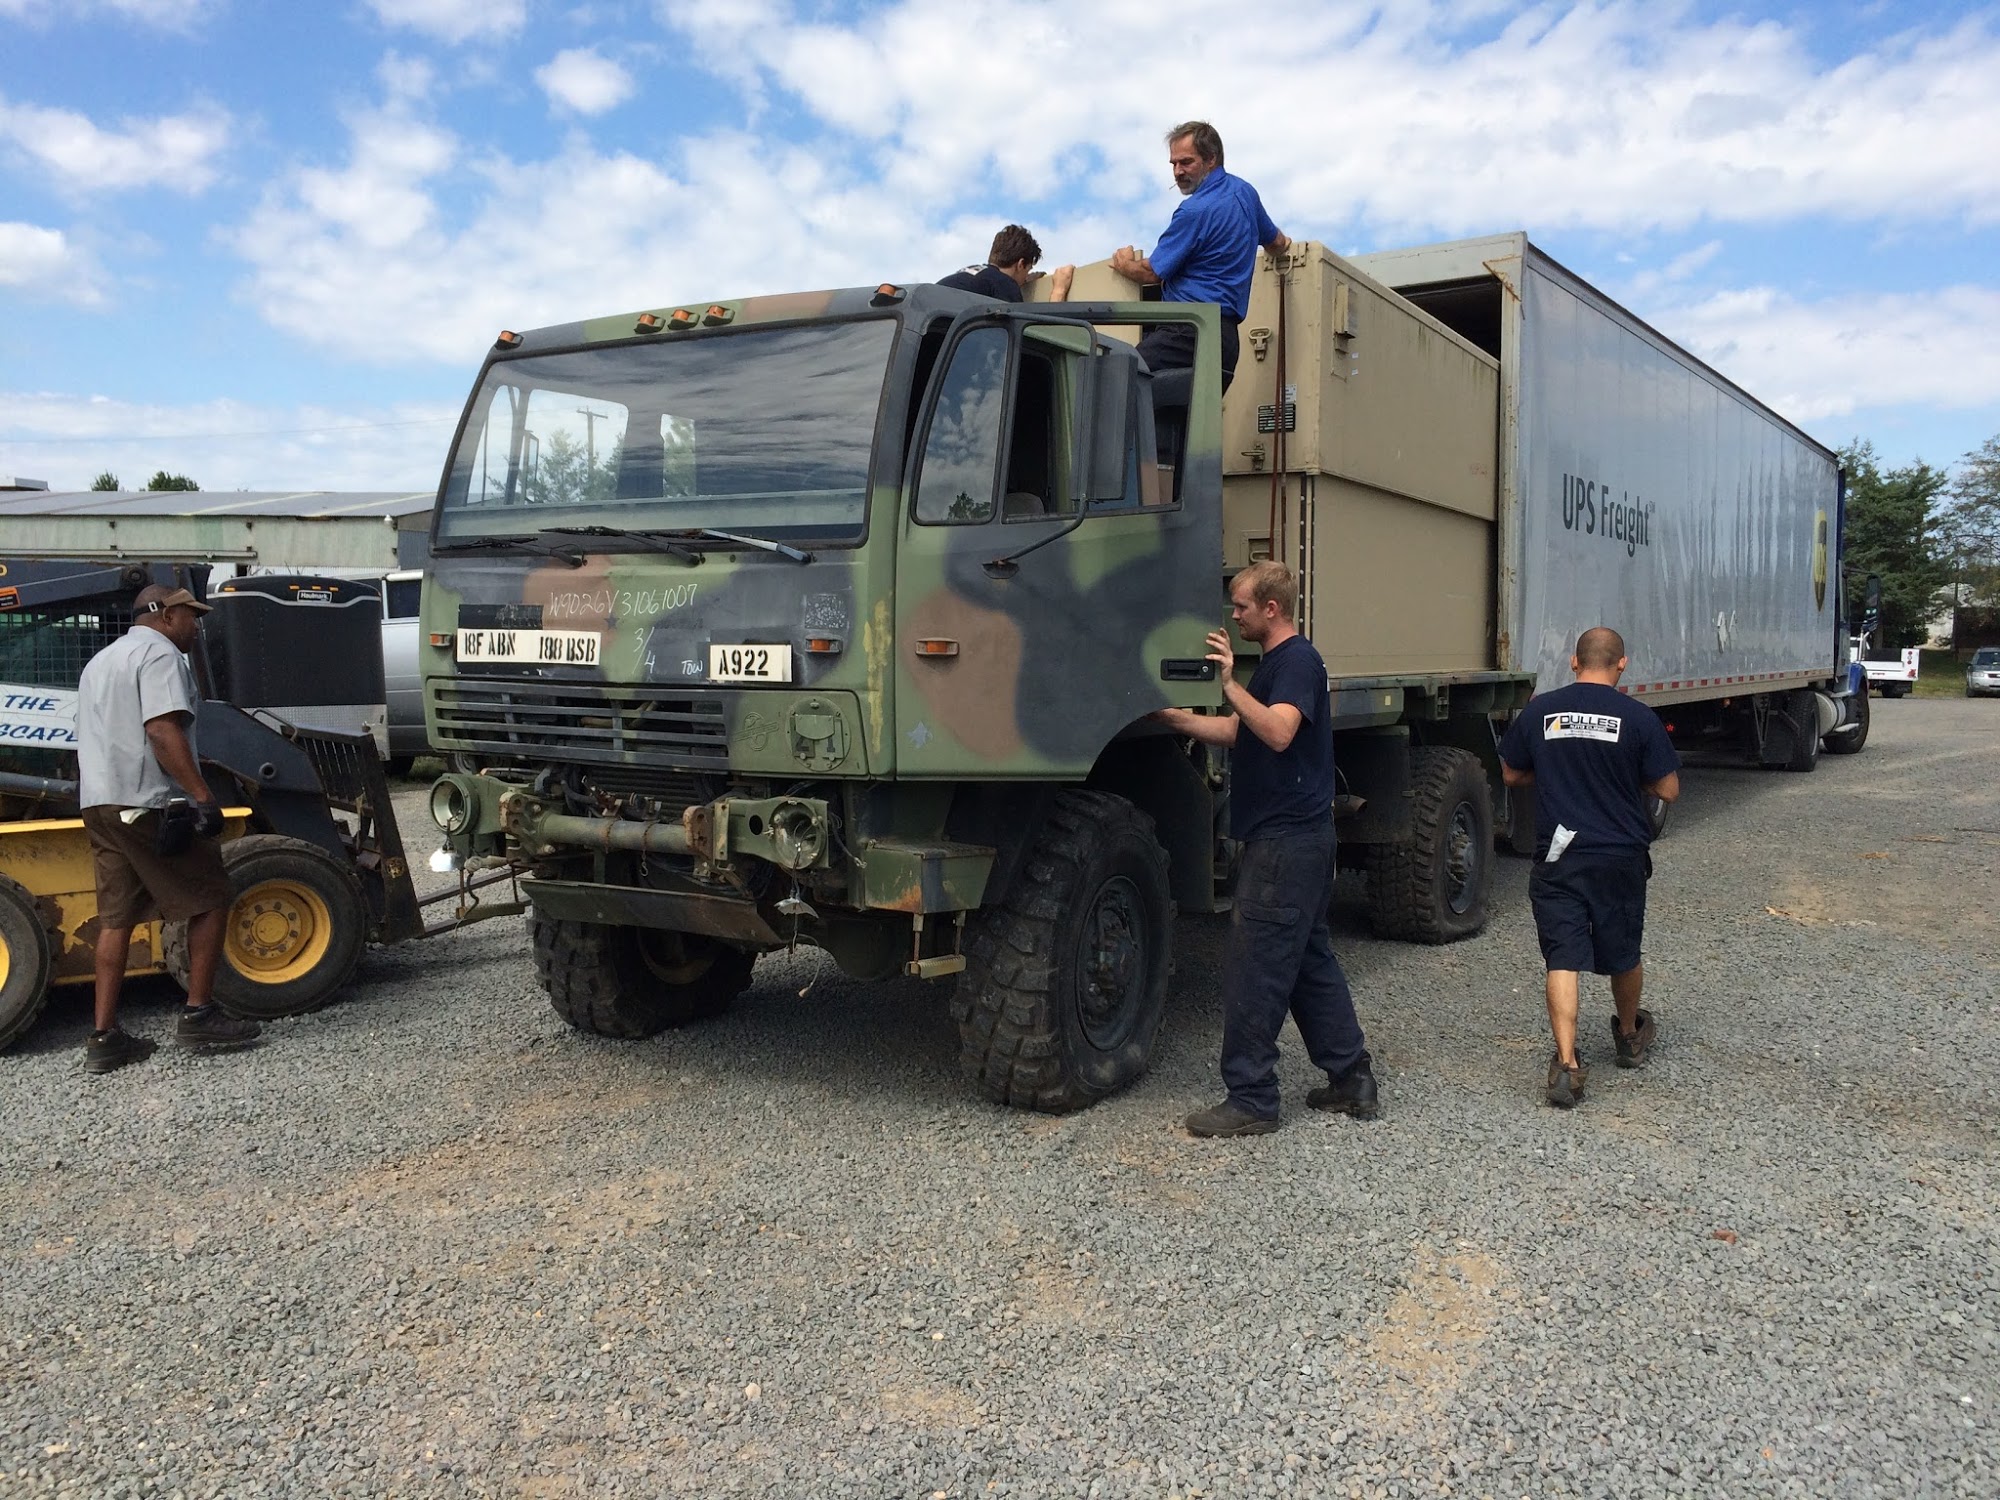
(578,722)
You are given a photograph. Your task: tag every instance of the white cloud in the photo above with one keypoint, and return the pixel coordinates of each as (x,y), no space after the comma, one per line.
(1813,360)
(70,437)
(45,261)
(454,20)
(583,82)
(1610,116)
(172,15)
(173,151)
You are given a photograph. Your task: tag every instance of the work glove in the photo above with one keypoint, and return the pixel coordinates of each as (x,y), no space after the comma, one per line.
(176,828)
(207,819)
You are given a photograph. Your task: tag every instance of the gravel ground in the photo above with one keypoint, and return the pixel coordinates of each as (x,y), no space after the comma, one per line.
(430,1242)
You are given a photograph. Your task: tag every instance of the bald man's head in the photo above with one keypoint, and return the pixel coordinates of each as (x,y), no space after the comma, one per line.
(1599,649)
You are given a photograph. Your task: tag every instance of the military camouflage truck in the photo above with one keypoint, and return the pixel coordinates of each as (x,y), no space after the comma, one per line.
(836,618)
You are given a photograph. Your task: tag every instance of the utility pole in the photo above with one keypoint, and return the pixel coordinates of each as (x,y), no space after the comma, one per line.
(590,421)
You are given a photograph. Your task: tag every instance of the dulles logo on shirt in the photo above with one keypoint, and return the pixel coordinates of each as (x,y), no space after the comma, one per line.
(1574,726)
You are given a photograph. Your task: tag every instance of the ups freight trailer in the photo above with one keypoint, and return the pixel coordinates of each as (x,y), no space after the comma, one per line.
(1639,488)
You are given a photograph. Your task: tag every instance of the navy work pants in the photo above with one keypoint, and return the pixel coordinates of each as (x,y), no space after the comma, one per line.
(1278,960)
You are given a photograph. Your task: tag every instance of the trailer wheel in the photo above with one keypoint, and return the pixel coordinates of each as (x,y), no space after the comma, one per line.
(631,982)
(1850,741)
(1433,888)
(26,961)
(294,932)
(1802,711)
(1066,980)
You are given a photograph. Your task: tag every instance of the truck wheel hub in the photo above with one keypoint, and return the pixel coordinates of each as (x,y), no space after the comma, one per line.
(1113,962)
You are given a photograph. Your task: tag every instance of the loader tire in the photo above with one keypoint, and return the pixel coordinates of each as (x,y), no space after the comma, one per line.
(632,982)
(1066,979)
(26,962)
(1434,886)
(295,929)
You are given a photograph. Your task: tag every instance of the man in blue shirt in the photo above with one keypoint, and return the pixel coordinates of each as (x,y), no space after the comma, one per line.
(1010,266)
(1595,758)
(1209,251)
(1279,957)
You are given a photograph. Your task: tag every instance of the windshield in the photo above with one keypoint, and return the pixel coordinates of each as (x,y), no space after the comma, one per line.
(1986,656)
(766,432)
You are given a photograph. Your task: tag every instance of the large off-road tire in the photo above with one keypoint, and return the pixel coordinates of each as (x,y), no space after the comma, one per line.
(26,961)
(1434,887)
(1066,980)
(634,981)
(296,926)
(1849,742)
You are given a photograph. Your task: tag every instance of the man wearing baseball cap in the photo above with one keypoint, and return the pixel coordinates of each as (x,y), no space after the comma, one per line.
(136,756)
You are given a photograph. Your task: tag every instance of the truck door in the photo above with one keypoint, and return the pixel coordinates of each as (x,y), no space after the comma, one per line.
(1044,574)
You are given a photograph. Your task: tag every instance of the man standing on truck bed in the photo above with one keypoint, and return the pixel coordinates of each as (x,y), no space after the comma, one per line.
(1594,757)
(135,755)
(1279,957)
(1010,266)
(1209,252)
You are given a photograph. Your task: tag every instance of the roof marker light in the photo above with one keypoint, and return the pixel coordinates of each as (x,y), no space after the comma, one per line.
(717,315)
(682,318)
(508,339)
(885,294)
(648,323)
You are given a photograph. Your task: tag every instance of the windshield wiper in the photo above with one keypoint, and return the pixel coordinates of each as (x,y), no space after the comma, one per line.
(514,543)
(710,534)
(663,541)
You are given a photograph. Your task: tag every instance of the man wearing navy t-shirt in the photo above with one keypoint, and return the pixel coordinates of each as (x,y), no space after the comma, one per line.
(1279,957)
(1595,758)
(1209,252)
(1010,266)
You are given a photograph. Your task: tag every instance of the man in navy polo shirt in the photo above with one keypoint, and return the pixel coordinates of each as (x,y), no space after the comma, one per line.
(1209,251)
(1279,957)
(1010,266)
(1595,758)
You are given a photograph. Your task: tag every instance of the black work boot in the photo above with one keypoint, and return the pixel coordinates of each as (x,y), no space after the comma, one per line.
(1226,1119)
(108,1051)
(1352,1093)
(210,1028)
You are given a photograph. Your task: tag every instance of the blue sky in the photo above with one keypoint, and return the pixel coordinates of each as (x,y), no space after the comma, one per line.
(266,244)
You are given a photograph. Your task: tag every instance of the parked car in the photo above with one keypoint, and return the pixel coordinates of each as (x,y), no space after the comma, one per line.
(401,593)
(1982,673)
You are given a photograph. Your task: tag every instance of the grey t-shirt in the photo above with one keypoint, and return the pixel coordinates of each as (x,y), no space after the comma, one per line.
(139,676)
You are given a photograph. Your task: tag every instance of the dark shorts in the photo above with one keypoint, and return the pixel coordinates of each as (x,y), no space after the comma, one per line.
(135,883)
(1590,911)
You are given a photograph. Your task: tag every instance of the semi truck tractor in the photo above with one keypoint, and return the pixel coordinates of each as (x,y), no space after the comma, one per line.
(838,618)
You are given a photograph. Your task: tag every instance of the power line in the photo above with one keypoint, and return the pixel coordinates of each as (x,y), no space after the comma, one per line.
(184,437)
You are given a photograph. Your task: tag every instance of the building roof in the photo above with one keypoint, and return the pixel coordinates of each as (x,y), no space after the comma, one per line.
(266,528)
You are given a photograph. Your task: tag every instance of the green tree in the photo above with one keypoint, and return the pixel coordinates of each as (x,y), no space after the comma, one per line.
(1893,517)
(105,481)
(564,474)
(162,480)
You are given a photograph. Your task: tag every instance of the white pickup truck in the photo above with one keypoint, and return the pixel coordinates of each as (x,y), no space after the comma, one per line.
(1894,677)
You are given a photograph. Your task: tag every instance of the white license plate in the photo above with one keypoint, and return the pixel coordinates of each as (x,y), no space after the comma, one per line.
(549,648)
(749,663)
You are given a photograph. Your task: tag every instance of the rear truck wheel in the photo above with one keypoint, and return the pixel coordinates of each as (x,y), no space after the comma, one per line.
(26,961)
(631,982)
(1846,741)
(1433,888)
(1802,712)
(295,929)
(1066,980)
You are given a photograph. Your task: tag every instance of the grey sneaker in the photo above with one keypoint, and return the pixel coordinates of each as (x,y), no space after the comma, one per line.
(108,1051)
(213,1029)
(1632,1049)
(1225,1119)
(1566,1084)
